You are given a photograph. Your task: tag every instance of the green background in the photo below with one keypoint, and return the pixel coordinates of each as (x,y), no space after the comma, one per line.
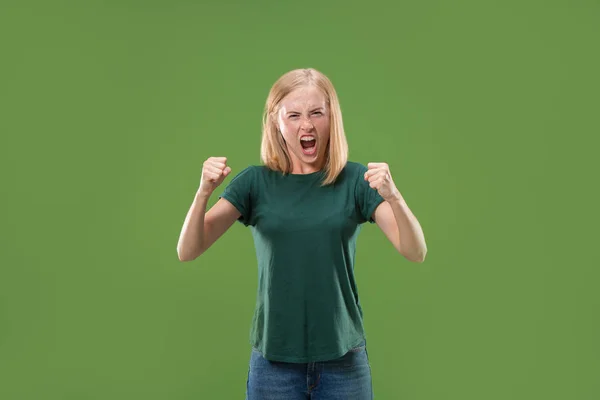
(486,112)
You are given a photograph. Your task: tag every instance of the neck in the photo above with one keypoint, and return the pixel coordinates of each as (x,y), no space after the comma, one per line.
(300,168)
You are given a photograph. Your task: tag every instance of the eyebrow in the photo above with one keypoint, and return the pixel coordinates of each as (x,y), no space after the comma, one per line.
(314,109)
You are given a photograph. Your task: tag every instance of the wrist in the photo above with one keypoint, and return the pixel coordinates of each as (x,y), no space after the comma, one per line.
(203,194)
(395,197)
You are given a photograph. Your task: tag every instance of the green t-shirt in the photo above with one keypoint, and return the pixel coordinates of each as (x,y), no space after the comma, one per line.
(307,305)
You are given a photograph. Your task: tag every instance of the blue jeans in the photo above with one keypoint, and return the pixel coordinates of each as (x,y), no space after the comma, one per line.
(345,378)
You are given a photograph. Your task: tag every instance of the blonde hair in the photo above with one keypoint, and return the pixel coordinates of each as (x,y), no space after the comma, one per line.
(273,151)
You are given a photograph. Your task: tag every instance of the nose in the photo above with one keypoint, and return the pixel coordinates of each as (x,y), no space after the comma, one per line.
(307,124)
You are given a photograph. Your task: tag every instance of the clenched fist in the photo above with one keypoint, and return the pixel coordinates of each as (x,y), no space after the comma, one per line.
(379,177)
(214,171)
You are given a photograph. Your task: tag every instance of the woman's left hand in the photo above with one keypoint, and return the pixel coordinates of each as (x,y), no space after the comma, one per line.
(380,178)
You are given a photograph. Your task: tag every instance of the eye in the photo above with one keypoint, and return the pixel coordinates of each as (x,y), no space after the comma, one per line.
(293,116)
(317,113)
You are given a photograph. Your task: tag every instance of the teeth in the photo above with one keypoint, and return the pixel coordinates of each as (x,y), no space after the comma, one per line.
(307,138)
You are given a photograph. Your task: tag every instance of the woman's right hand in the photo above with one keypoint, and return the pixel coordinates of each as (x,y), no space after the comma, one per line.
(214,171)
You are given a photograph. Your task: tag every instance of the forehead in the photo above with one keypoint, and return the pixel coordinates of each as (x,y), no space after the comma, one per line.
(303,97)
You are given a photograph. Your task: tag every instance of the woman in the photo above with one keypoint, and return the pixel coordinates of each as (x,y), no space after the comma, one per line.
(305,206)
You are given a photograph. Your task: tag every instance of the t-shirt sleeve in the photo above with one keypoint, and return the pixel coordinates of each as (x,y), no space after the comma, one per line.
(367,198)
(239,193)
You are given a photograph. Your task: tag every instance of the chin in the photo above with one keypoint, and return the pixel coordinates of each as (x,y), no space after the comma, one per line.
(313,160)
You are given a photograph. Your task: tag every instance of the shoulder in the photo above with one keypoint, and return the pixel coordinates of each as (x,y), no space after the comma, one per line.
(355,172)
(355,168)
(352,174)
(250,175)
(242,179)
(355,165)
(248,172)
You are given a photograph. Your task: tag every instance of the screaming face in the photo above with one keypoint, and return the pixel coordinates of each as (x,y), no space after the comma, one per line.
(304,122)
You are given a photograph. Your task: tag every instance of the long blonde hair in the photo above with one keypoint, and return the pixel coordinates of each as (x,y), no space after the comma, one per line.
(273,151)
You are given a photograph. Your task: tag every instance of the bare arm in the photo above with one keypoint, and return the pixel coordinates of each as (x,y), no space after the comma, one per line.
(200,228)
(402,228)
(393,216)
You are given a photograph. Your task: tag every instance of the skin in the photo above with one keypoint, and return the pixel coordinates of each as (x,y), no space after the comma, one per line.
(304,111)
(394,217)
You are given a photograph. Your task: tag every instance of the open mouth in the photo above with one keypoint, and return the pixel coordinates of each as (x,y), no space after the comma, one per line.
(309,145)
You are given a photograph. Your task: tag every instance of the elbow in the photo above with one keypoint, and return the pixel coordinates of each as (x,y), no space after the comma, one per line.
(186,256)
(420,259)
(189,253)
(183,257)
(416,257)
(422,255)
